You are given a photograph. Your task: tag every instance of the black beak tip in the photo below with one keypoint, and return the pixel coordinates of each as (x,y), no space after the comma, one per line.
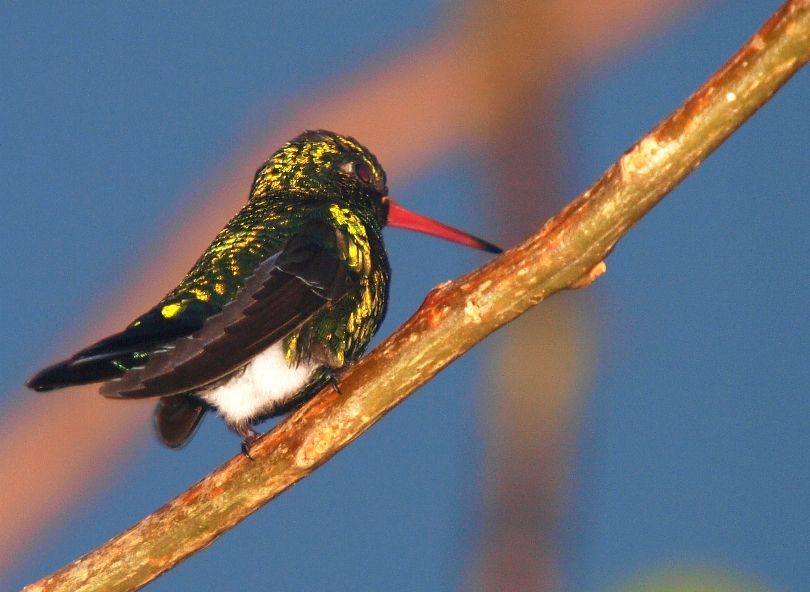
(490,248)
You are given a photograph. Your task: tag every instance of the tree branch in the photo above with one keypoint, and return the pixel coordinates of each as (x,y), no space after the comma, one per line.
(567,252)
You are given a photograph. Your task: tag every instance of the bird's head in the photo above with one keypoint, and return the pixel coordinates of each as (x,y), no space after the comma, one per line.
(322,164)
(325,165)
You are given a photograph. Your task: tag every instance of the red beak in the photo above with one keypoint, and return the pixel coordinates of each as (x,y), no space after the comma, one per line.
(399,217)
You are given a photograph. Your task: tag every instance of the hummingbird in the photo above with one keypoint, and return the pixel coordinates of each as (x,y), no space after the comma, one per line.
(289,292)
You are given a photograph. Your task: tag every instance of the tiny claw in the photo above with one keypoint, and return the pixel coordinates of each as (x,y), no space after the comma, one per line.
(249,436)
(587,279)
(248,442)
(333,380)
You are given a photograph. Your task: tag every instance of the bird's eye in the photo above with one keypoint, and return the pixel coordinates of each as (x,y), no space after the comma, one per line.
(363,172)
(359,169)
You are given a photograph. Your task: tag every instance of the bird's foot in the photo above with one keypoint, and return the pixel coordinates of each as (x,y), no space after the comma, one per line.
(245,447)
(333,376)
(249,436)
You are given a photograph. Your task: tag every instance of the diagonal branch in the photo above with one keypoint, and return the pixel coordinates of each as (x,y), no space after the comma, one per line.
(567,252)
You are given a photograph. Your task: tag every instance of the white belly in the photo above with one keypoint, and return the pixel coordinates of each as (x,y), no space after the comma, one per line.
(265,383)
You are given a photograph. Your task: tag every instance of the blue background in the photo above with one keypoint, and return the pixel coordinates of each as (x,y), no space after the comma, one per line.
(694,446)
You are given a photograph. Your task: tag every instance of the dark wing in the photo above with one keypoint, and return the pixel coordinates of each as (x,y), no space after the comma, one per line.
(283,292)
(110,357)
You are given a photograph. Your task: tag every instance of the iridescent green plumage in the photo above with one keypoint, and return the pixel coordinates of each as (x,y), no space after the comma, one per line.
(308,185)
(292,288)
(302,183)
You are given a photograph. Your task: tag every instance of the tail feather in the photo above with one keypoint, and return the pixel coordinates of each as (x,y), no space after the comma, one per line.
(110,357)
(72,372)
